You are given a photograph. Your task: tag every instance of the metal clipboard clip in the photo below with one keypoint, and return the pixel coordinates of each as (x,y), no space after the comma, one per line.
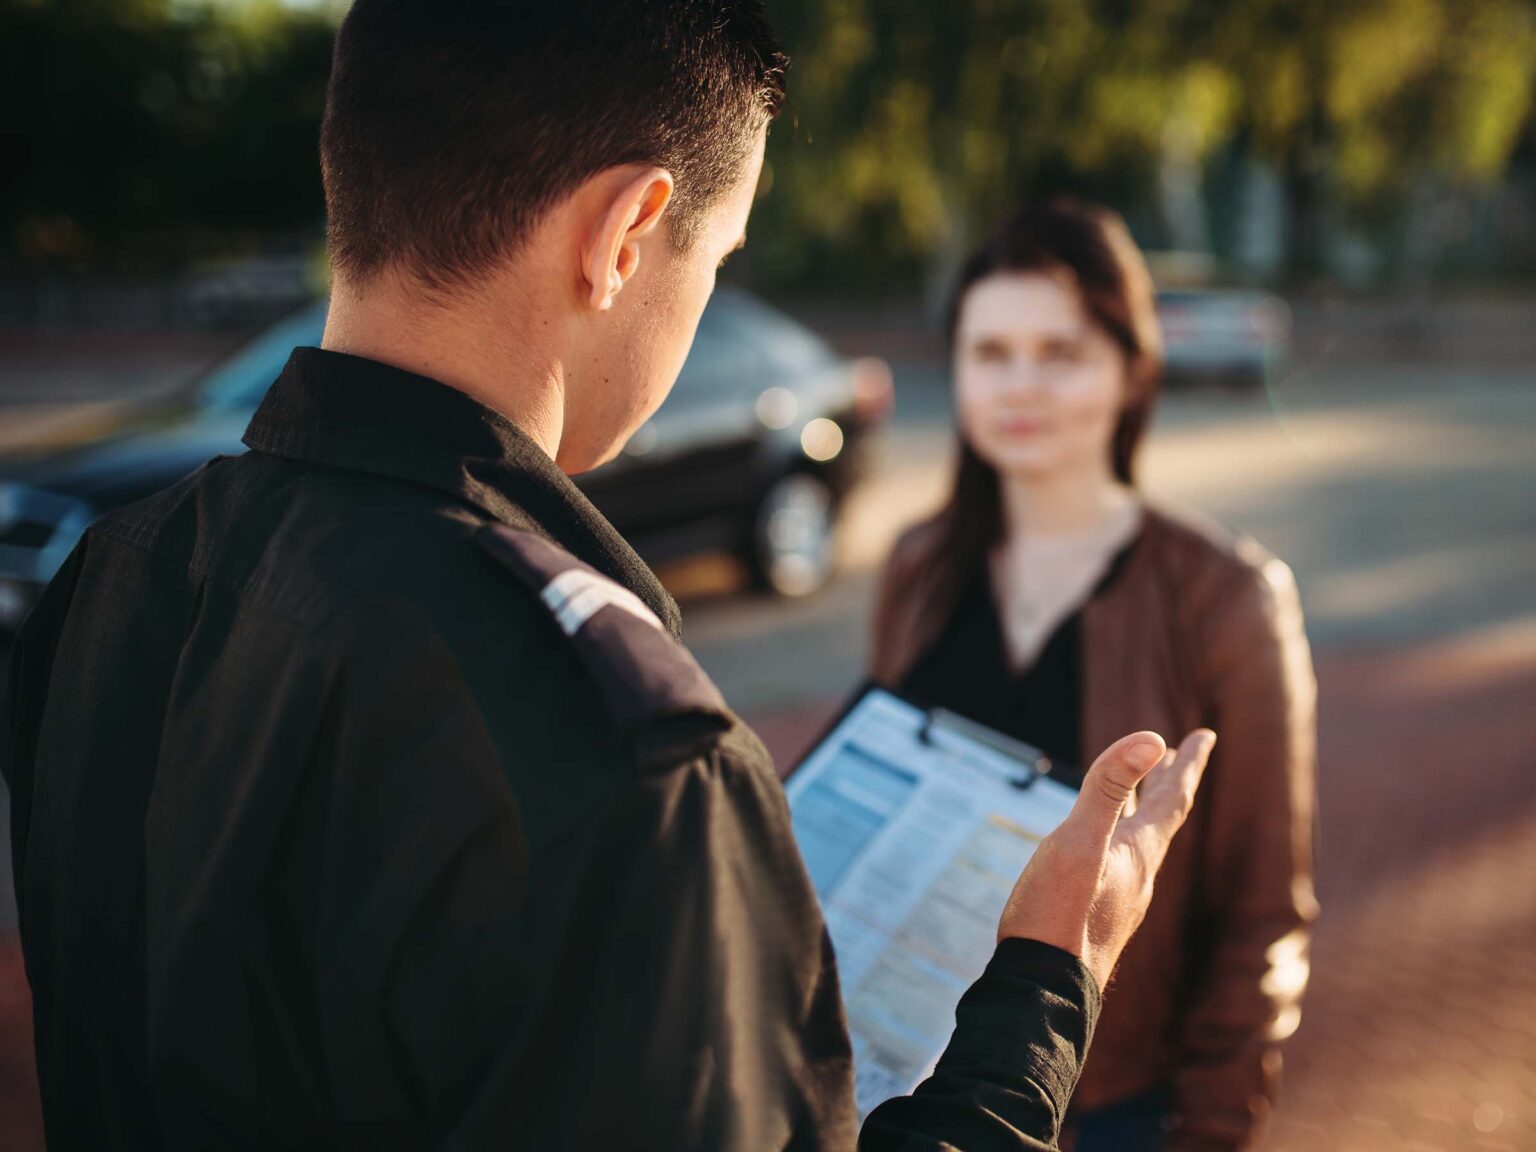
(1030,761)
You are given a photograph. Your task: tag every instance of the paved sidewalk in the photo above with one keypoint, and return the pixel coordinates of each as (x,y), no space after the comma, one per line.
(1420,1031)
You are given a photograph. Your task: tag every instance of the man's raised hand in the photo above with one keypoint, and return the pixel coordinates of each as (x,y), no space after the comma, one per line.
(1089,883)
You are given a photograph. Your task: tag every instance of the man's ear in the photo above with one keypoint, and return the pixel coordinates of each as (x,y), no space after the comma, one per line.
(611,253)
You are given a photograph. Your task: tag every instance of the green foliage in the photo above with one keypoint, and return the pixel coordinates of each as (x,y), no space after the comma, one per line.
(1386,91)
(919,123)
(143,133)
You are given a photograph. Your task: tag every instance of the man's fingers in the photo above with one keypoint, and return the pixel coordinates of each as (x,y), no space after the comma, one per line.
(1168,793)
(1110,782)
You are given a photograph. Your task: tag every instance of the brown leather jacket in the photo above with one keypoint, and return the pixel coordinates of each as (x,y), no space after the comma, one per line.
(1200,628)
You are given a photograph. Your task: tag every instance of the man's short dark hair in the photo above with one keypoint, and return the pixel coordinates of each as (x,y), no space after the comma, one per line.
(452,125)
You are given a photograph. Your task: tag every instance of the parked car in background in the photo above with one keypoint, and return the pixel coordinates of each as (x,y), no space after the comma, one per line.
(1223,336)
(752,453)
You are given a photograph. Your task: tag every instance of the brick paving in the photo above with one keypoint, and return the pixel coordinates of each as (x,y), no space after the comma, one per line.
(1420,1030)
(1419,1033)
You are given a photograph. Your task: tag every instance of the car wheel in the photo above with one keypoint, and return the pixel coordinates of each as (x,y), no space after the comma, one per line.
(792,540)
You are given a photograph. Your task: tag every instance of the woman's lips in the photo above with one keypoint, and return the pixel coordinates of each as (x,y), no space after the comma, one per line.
(1019,426)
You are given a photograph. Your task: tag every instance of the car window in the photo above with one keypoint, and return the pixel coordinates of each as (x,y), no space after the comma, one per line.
(242,380)
(786,344)
(722,358)
(743,345)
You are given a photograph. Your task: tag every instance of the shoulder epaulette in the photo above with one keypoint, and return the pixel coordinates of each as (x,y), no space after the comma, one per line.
(645,677)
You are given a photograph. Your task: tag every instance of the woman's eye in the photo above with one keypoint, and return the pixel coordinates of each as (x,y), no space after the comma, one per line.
(989,353)
(1063,353)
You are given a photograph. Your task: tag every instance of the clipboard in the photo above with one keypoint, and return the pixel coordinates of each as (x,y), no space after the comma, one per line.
(914,824)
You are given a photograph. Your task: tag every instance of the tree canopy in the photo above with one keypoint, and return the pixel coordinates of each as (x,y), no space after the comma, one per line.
(916,123)
(142,133)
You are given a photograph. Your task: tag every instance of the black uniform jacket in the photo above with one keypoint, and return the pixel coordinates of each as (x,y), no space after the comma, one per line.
(364,797)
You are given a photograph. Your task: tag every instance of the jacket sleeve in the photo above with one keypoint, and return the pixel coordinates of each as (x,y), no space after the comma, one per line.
(1259,905)
(1021,1034)
(659,979)
(31,669)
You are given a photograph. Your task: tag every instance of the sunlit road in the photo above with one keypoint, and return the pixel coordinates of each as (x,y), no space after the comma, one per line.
(1405,499)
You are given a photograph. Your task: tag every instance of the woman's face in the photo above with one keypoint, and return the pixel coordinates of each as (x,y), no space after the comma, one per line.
(1038,386)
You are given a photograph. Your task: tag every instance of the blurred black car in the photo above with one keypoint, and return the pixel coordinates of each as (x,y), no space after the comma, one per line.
(753,452)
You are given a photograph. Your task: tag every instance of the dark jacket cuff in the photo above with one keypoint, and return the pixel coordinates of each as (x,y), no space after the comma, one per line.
(1031,1015)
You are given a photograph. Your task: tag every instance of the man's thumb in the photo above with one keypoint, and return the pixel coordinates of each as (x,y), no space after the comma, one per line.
(1110,782)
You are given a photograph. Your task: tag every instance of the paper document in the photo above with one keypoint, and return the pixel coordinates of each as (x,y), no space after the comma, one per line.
(913,846)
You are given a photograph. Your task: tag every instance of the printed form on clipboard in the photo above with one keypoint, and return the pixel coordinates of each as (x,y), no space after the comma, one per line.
(914,826)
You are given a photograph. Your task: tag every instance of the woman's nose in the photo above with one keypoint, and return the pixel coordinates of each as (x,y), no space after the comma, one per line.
(1025,377)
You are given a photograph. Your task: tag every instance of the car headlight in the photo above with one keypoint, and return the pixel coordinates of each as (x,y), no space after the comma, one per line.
(821,439)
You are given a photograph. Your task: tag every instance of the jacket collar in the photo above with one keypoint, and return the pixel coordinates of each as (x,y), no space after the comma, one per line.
(348,412)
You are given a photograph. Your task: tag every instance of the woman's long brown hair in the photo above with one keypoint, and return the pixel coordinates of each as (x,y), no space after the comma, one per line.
(1090,248)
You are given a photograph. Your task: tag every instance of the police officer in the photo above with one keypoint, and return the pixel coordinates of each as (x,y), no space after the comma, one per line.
(363,794)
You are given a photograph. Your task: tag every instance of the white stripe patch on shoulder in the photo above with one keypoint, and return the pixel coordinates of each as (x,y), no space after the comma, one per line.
(576,596)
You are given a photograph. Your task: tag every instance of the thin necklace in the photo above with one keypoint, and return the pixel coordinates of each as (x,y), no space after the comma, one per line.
(1024,608)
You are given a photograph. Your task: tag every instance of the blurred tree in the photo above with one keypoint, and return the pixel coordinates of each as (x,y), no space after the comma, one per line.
(1363,102)
(919,123)
(139,134)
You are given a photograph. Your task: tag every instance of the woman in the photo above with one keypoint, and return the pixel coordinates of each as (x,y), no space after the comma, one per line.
(1050,600)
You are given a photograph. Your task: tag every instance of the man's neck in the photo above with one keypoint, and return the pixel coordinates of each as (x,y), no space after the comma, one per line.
(503,358)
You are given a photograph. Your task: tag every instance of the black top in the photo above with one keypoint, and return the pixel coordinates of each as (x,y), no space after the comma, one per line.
(362,796)
(967,670)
